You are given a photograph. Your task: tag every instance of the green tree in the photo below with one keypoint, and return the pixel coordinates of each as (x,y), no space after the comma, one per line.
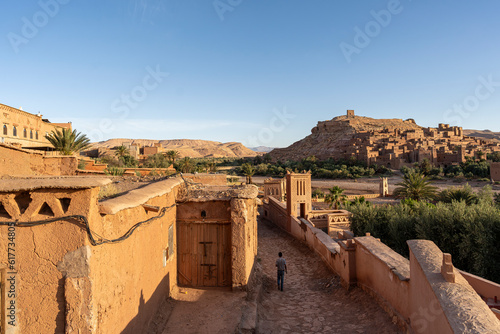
(425,166)
(415,186)
(172,155)
(458,194)
(248,170)
(121,151)
(186,165)
(68,142)
(128,161)
(335,197)
(156,161)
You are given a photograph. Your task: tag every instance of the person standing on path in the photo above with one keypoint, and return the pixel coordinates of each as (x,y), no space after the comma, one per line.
(281,265)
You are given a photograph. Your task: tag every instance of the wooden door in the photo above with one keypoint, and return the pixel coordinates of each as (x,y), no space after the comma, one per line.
(204,254)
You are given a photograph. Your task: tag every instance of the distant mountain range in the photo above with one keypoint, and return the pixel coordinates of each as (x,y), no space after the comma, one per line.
(193,148)
(263,149)
(483,134)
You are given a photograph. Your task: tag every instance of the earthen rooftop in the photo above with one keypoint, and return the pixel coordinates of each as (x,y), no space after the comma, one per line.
(32,183)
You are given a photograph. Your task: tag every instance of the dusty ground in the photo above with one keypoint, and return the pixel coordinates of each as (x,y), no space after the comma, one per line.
(191,311)
(371,184)
(312,301)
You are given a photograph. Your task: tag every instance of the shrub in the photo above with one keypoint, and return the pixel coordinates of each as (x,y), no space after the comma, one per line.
(114,171)
(468,232)
(318,193)
(81,164)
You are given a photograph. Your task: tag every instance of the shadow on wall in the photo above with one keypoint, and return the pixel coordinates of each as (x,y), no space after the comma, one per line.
(147,310)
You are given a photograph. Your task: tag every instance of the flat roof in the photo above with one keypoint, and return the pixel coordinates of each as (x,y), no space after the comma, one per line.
(51,182)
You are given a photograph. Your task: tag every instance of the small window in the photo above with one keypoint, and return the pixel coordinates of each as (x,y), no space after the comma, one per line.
(203,214)
(14,132)
(25,133)
(5,130)
(36,135)
(31,134)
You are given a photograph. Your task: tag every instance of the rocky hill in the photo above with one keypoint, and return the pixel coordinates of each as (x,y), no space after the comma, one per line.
(483,134)
(188,147)
(330,138)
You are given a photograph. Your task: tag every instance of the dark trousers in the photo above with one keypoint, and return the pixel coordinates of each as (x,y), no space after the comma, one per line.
(281,277)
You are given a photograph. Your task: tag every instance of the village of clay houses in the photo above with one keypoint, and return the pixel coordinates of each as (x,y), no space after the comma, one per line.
(238,167)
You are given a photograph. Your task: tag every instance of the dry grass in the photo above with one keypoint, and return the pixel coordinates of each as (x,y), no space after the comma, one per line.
(108,191)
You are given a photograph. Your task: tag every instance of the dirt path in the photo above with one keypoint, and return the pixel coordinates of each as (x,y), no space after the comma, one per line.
(313,300)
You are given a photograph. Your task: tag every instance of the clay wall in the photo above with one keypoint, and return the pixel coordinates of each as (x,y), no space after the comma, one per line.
(384,274)
(133,277)
(275,211)
(243,240)
(91,165)
(151,150)
(19,162)
(214,211)
(495,171)
(439,306)
(212,179)
(43,254)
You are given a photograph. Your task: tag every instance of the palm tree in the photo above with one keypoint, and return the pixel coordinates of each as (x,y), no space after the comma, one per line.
(68,142)
(248,170)
(480,155)
(335,197)
(186,165)
(172,155)
(212,166)
(415,186)
(460,194)
(122,151)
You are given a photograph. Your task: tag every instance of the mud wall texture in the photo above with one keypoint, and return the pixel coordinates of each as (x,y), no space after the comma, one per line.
(18,162)
(244,239)
(211,179)
(414,292)
(133,277)
(41,254)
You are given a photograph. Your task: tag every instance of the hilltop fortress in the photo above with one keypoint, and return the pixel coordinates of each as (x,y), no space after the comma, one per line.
(389,142)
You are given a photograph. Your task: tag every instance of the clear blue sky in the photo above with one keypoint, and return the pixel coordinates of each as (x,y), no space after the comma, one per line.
(234,65)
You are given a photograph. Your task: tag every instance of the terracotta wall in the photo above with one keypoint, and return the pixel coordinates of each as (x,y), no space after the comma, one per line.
(212,179)
(384,274)
(132,277)
(41,254)
(495,171)
(439,306)
(18,162)
(244,239)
